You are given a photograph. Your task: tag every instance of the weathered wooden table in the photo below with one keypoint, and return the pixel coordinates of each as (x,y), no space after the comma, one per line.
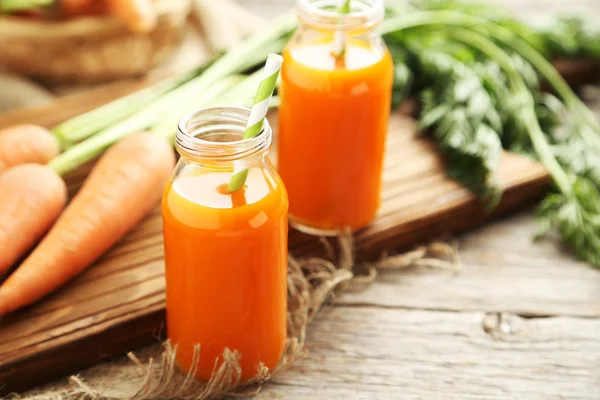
(520,321)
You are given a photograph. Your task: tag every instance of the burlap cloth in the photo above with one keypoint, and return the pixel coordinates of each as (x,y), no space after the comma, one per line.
(152,374)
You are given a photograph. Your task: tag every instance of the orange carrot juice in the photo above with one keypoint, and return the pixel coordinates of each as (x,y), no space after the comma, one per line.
(226,265)
(333,125)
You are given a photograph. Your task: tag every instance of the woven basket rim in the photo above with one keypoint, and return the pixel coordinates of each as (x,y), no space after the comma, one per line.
(20,28)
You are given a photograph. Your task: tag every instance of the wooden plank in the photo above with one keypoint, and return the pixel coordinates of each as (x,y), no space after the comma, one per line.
(125,289)
(408,359)
(369,353)
(110,337)
(116,291)
(502,271)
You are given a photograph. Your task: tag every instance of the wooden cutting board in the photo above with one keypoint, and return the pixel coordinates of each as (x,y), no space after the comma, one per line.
(118,304)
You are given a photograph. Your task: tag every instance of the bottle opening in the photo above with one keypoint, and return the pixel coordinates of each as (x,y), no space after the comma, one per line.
(222,137)
(216,135)
(323,14)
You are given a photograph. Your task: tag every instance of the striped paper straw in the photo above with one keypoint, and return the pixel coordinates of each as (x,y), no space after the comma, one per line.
(339,38)
(258,112)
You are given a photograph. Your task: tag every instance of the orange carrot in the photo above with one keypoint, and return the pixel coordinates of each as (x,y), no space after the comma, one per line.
(125,184)
(22,144)
(32,197)
(137,15)
(76,7)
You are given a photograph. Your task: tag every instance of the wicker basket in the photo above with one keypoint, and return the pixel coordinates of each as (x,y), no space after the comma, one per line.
(90,49)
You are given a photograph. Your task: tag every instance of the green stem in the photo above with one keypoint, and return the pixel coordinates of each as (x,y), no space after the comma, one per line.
(519,89)
(187,94)
(427,18)
(85,125)
(547,71)
(504,35)
(474,38)
(91,148)
(275,46)
(167,128)
(234,61)
(254,48)
(22,5)
(244,91)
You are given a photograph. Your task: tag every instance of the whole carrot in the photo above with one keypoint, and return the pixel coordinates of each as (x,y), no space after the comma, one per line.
(22,144)
(122,188)
(31,199)
(125,184)
(137,15)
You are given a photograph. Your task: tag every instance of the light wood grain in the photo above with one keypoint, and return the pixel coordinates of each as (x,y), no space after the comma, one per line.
(381,350)
(371,353)
(378,353)
(116,291)
(503,271)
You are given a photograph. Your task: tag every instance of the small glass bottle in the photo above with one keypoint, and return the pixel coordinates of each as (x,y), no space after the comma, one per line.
(225,253)
(333,116)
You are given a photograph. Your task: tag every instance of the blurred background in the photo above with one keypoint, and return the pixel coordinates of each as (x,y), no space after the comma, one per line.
(58,47)
(98,50)
(74,45)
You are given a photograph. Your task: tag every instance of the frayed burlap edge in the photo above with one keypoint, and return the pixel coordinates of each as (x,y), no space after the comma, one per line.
(311,281)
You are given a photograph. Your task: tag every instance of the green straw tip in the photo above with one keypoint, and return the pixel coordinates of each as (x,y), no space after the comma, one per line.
(238,180)
(346,7)
(275,57)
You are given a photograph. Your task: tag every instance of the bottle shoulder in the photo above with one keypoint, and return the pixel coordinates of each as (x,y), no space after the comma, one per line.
(198,197)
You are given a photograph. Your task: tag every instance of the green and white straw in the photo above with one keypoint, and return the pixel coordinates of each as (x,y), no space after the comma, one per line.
(258,112)
(339,38)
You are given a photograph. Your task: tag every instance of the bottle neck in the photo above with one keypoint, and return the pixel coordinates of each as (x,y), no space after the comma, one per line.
(365,15)
(213,137)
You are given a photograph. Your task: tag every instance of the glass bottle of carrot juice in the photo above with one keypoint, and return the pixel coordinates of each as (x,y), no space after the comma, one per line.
(225,254)
(333,116)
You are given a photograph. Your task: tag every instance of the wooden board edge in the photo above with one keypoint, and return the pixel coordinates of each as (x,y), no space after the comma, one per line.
(458,217)
(140,328)
(113,338)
